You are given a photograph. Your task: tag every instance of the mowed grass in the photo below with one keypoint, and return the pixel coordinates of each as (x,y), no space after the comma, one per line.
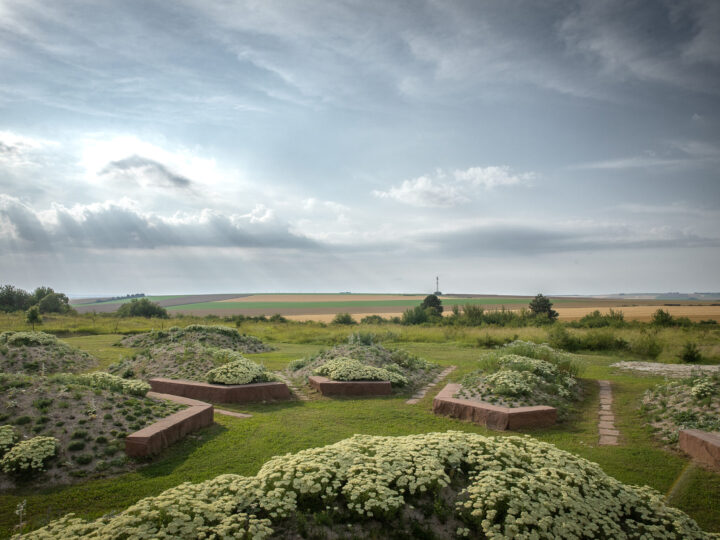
(101,347)
(241,446)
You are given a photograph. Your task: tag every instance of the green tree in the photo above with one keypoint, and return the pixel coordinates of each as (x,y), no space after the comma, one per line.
(14,299)
(432,302)
(32,316)
(662,318)
(541,305)
(54,303)
(40,293)
(142,308)
(343,318)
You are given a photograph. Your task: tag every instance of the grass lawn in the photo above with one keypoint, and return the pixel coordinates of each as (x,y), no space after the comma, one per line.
(241,446)
(101,347)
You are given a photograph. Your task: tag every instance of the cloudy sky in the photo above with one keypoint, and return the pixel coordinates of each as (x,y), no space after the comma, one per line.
(227,146)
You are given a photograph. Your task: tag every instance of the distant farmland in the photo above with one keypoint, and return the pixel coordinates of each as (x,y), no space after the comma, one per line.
(323,307)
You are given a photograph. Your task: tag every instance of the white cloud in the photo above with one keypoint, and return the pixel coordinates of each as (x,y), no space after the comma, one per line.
(442,190)
(16,149)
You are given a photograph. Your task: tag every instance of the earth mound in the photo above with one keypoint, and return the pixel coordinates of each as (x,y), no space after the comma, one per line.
(41,353)
(89,416)
(222,337)
(368,362)
(445,485)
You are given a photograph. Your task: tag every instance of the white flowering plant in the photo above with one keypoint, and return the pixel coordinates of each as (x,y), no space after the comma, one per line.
(101,379)
(495,488)
(360,361)
(237,370)
(511,380)
(349,369)
(8,437)
(29,457)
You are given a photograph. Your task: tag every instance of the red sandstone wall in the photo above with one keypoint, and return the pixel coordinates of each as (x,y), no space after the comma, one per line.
(222,393)
(702,446)
(491,416)
(329,387)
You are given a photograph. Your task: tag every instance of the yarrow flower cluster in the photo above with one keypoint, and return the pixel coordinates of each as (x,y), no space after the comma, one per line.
(237,370)
(29,457)
(500,487)
(703,389)
(349,369)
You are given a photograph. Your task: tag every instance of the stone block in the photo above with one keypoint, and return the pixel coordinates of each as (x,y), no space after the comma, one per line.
(329,387)
(702,446)
(491,416)
(222,393)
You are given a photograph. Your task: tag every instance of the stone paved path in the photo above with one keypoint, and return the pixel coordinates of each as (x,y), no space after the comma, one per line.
(421,393)
(606,426)
(296,391)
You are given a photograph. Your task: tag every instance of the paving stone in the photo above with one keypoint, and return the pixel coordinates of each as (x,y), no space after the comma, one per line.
(608,440)
(613,432)
(607,418)
(232,413)
(606,425)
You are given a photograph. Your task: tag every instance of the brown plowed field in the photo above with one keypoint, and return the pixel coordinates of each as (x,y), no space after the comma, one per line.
(323,297)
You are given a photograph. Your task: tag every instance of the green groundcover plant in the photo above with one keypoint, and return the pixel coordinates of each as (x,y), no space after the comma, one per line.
(349,369)
(486,487)
(40,353)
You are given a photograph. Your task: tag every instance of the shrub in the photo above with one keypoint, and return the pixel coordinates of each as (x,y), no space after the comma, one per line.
(507,486)
(416,315)
(8,438)
(142,308)
(239,370)
(29,457)
(690,353)
(596,319)
(343,318)
(433,303)
(647,345)
(372,319)
(22,420)
(541,305)
(83,459)
(75,446)
(349,369)
(662,318)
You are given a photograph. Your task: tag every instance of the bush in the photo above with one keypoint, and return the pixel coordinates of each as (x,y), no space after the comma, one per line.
(372,319)
(541,305)
(647,345)
(598,320)
(8,438)
(29,457)
(343,318)
(433,303)
(349,369)
(239,370)
(142,308)
(417,315)
(371,479)
(690,353)
(662,318)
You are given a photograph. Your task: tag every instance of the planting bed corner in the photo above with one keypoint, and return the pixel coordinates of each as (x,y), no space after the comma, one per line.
(156,437)
(703,446)
(328,387)
(492,416)
(222,393)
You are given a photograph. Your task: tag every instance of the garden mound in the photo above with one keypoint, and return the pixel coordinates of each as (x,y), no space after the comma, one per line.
(689,403)
(41,353)
(523,374)
(221,337)
(366,362)
(89,416)
(419,486)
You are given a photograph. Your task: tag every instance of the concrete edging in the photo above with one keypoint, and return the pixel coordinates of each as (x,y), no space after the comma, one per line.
(329,387)
(702,446)
(491,416)
(156,437)
(222,393)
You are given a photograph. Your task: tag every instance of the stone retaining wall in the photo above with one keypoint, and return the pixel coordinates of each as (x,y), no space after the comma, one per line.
(222,393)
(156,437)
(702,446)
(329,387)
(491,416)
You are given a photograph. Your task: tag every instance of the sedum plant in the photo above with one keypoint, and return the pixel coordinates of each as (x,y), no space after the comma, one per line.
(496,487)
(29,457)
(239,370)
(8,438)
(349,369)
(101,379)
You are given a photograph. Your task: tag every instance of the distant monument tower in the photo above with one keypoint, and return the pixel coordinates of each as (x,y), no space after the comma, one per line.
(437,286)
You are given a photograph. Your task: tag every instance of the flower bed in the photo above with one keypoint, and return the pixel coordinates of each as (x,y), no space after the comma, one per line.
(40,353)
(222,337)
(689,403)
(510,380)
(89,416)
(356,362)
(446,484)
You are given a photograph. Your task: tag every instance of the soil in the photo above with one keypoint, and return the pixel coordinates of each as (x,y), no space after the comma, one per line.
(89,423)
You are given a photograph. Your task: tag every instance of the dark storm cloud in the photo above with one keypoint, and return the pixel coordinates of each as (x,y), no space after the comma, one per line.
(155,172)
(110,226)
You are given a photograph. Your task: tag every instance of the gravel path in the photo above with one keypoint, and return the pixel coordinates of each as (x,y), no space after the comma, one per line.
(421,393)
(669,370)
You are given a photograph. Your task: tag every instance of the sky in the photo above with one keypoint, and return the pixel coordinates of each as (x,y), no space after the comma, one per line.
(515,147)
